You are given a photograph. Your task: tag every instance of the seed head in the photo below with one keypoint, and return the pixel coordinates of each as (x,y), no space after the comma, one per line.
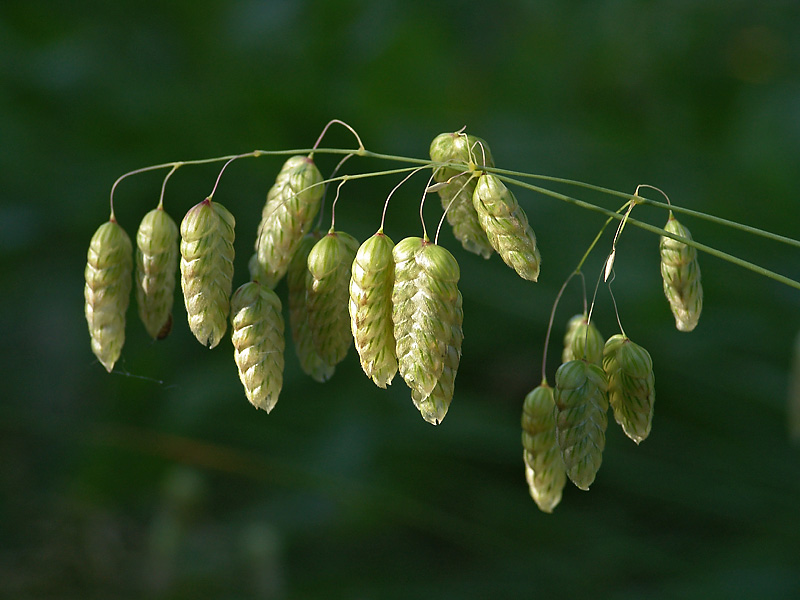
(156,266)
(631,385)
(681,274)
(582,340)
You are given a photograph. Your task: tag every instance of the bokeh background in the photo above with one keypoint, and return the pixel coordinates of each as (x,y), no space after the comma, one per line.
(161,481)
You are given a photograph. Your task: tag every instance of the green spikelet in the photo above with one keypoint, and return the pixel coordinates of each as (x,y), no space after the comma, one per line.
(582,340)
(109,264)
(156,266)
(506,226)
(631,385)
(371,324)
(457,195)
(581,406)
(544,467)
(681,274)
(298,280)
(258,344)
(427,317)
(207,233)
(292,203)
(330,263)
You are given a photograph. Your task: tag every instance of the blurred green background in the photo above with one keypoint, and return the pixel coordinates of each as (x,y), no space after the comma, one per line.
(161,481)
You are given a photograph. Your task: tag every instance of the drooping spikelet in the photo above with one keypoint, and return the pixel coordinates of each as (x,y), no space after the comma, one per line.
(456,196)
(292,203)
(156,266)
(330,263)
(427,317)
(258,343)
(631,385)
(506,226)
(107,291)
(582,340)
(298,280)
(207,233)
(371,283)
(581,406)
(681,274)
(544,467)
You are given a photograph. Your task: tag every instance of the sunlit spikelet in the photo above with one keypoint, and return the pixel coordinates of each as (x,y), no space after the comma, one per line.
(582,340)
(681,274)
(631,385)
(156,266)
(544,467)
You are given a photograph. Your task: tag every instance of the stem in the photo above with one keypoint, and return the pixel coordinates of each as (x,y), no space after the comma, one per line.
(164,187)
(325,130)
(225,166)
(550,324)
(414,171)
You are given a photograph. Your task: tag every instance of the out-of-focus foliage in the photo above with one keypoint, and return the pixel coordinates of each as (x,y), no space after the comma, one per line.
(161,481)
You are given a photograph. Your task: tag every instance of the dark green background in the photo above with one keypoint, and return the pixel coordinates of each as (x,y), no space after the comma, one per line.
(161,481)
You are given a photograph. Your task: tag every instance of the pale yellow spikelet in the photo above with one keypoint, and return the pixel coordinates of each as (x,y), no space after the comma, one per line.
(330,263)
(298,280)
(581,405)
(456,196)
(371,282)
(107,291)
(258,343)
(506,226)
(544,467)
(207,234)
(582,340)
(631,385)
(681,274)
(156,266)
(292,203)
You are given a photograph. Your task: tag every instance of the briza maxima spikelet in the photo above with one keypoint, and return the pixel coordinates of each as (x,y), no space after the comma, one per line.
(544,467)
(258,343)
(427,316)
(456,196)
(292,203)
(631,385)
(207,233)
(298,280)
(681,274)
(109,264)
(582,340)
(330,262)
(581,421)
(371,282)
(506,226)
(156,267)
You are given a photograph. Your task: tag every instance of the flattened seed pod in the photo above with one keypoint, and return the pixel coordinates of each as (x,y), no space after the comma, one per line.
(581,421)
(371,282)
(457,195)
(298,280)
(207,233)
(109,264)
(631,385)
(258,343)
(681,274)
(427,316)
(582,340)
(330,263)
(433,407)
(506,226)
(292,203)
(544,467)
(156,266)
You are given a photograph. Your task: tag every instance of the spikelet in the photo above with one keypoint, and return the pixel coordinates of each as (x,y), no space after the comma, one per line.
(292,203)
(427,317)
(109,264)
(298,280)
(258,344)
(544,467)
(371,324)
(456,196)
(506,226)
(581,406)
(631,385)
(330,263)
(156,266)
(207,233)
(681,274)
(582,340)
